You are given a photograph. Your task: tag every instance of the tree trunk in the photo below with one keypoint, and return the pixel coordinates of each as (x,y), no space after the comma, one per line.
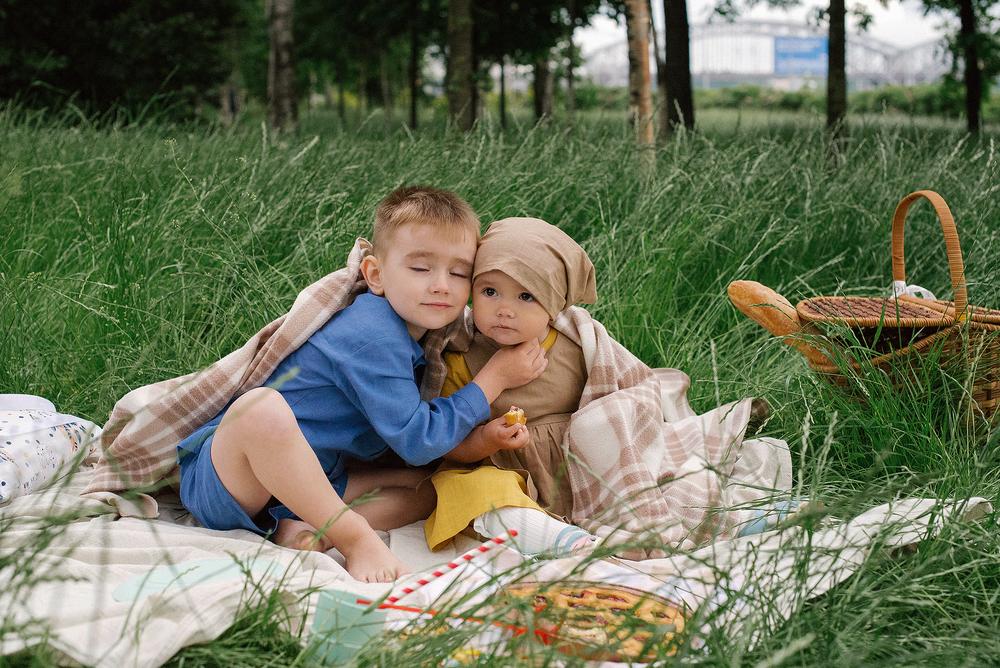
(640,93)
(571,62)
(282,105)
(477,93)
(341,104)
(661,74)
(362,89)
(461,106)
(542,88)
(973,74)
(503,93)
(328,101)
(385,92)
(679,95)
(229,101)
(836,76)
(414,65)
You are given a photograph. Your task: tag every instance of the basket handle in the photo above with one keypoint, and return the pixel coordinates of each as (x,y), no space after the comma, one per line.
(954,250)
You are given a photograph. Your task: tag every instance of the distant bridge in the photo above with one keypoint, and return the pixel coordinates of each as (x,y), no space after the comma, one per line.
(782,55)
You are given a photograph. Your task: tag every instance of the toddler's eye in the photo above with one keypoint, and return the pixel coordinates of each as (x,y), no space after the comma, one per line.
(459,274)
(420,269)
(489,292)
(526,297)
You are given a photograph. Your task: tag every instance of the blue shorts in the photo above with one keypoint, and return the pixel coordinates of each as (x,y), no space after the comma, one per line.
(204,495)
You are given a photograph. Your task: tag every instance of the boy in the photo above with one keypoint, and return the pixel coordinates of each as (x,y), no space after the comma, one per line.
(276,455)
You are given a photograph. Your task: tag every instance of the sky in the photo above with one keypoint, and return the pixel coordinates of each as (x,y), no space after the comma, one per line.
(900,24)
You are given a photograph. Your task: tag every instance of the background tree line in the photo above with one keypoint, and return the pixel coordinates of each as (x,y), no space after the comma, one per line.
(182,56)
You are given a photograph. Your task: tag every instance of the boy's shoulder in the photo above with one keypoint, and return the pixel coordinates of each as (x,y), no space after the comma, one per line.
(369,318)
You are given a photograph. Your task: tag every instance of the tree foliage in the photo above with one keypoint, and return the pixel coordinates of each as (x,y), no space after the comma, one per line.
(106,54)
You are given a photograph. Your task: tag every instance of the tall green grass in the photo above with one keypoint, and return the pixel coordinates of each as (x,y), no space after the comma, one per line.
(131,254)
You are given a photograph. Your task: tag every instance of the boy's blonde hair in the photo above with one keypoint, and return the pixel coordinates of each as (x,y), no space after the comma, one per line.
(424,205)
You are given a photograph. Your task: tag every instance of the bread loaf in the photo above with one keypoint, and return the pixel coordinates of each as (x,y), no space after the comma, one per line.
(775,314)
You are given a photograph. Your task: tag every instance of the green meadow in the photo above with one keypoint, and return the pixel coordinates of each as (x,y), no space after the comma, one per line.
(129,254)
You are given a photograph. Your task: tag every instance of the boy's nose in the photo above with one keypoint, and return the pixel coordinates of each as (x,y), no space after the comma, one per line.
(440,283)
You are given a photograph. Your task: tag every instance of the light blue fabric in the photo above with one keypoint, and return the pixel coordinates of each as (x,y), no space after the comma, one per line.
(767,518)
(354,390)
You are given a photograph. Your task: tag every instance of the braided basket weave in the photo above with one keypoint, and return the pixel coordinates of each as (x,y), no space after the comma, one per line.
(903,330)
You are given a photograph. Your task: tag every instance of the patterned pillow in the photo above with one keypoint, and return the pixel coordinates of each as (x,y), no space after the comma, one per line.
(37,445)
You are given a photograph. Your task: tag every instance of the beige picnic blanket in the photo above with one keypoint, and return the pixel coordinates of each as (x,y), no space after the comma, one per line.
(641,462)
(129,592)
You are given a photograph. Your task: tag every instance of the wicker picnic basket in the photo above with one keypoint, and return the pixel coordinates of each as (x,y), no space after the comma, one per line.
(899,333)
(904,326)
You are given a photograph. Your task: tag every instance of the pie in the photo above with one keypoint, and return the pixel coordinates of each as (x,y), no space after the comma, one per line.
(598,621)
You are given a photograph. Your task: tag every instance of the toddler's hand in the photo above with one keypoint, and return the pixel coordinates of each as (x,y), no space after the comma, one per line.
(498,435)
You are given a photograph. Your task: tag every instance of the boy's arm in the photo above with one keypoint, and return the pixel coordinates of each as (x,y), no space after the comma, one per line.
(378,380)
(377,377)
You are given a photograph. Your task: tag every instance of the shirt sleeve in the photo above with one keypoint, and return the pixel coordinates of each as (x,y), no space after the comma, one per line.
(378,379)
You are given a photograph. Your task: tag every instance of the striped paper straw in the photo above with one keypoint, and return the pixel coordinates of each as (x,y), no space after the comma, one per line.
(452,565)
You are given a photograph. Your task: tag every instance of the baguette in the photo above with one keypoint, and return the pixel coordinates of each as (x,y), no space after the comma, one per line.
(775,314)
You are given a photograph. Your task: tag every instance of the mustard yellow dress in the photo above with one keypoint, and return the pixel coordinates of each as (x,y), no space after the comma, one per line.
(533,477)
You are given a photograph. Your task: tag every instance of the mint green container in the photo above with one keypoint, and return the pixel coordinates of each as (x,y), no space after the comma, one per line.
(342,626)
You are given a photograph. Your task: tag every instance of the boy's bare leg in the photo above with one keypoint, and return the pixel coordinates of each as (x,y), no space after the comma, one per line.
(398,500)
(259,451)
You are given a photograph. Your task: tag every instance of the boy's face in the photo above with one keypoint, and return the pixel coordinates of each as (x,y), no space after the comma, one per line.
(425,274)
(504,311)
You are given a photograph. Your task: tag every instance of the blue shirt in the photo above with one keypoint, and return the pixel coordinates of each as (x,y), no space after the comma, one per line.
(353,389)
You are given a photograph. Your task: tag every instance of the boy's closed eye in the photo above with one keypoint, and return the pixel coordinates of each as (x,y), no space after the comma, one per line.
(456,273)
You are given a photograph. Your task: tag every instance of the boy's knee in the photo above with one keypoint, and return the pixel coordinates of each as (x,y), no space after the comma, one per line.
(262,408)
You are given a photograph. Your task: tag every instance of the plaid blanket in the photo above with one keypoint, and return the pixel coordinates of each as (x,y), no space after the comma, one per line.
(641,461)
(140,439)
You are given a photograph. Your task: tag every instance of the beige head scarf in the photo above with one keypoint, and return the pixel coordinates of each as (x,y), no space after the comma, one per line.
(542,258)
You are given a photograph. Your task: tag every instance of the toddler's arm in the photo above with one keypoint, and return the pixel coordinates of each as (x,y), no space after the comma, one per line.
(491,437)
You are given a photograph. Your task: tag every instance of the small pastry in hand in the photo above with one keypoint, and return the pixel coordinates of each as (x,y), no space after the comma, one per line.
(515,415)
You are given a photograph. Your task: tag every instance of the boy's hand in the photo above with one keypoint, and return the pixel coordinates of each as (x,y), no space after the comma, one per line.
(511,367)
(498,435)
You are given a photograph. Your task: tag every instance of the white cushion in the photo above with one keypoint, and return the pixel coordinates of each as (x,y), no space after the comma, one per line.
(36,447)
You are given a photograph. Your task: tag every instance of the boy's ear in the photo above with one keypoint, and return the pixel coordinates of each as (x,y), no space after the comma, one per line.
(372,272)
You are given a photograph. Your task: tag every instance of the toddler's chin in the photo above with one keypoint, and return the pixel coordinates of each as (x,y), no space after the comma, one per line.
(508,340)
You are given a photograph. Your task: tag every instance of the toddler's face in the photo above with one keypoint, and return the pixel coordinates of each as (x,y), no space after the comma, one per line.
(504,311)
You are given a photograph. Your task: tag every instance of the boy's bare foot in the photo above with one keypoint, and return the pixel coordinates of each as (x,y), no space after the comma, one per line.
(299,535)
(370,560)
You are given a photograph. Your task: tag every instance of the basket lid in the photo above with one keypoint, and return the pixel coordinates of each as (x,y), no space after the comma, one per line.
(990,316)
(871,312)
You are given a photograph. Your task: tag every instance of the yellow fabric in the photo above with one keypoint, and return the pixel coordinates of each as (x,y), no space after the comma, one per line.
(458,374)
(463,495)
